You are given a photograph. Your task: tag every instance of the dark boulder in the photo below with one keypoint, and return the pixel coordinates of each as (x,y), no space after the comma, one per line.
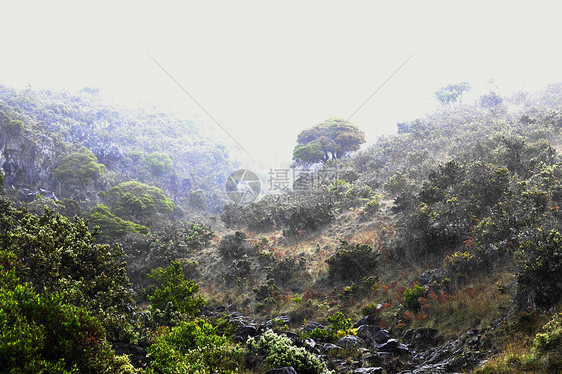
(382,336)
(368,332)
(422,338)
(350,341)
(371,319)
(392,346)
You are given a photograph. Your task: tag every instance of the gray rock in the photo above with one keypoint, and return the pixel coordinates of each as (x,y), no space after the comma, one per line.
(310,344)
(392,346)
(368,332)
(382,336)
(311,327)
(350,341)
(247,331)
(372,359)
(292,336)
(432,276)
(422,338)
(371,319)
(328,347)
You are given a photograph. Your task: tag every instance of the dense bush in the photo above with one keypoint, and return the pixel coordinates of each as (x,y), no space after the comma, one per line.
(539,267)
(234,246)
(278,351)
(412,297)
(112,227)
(62,256)
(187,235)
(41,334)
(352,262)
(138,202)
(174,289)
(159,163)
(194,347)
(81,165)
(295,214)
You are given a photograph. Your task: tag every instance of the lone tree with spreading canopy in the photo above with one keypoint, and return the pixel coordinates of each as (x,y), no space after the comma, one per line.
(326,141)
(451,93)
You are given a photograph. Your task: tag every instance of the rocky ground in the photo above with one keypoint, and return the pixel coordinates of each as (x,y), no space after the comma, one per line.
(374,350)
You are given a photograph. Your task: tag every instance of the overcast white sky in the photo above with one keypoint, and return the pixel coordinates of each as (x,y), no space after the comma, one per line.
(266,70)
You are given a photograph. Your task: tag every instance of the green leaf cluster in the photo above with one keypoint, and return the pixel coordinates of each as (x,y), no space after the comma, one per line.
(159,162)
(194,347)
(277,351)
(174,289)
(329,140)
(138,202)
(81,165)
(41,334)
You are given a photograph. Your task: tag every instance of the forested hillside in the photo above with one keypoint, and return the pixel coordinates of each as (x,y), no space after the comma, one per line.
(76,145)
(437,249)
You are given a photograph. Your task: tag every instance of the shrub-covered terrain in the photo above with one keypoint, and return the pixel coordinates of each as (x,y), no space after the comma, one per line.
(437,249)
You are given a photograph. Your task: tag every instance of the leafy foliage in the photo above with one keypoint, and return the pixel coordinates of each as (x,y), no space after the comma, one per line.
(539,269)
(160,163)
(234,246)
(412,296)
(272,212)
(42,334)
(352,262)
(330,140)
(194,347)
(278,351)
(112,227)
(451,93)
(139,202)
(81,165)
(176,290)
(62,256)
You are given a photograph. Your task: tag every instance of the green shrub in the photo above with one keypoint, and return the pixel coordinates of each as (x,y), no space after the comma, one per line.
(308,218)
(159,163)
(461,265)
(411,297)
(339,327)
(176,290)
(275,212)
(41,334)
(352,262)
(112,227)
(198,236)
(194,347)
(234,246)
(371,308)
(539,265)
(550,339)
(139,202)
(373,204)
(278,351)
(63,257)
(81,165)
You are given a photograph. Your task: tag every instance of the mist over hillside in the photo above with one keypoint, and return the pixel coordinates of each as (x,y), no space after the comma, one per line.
(42,128)
(151,249)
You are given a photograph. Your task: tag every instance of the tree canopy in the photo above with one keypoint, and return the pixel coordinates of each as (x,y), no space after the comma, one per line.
(329,140)
(451,93)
